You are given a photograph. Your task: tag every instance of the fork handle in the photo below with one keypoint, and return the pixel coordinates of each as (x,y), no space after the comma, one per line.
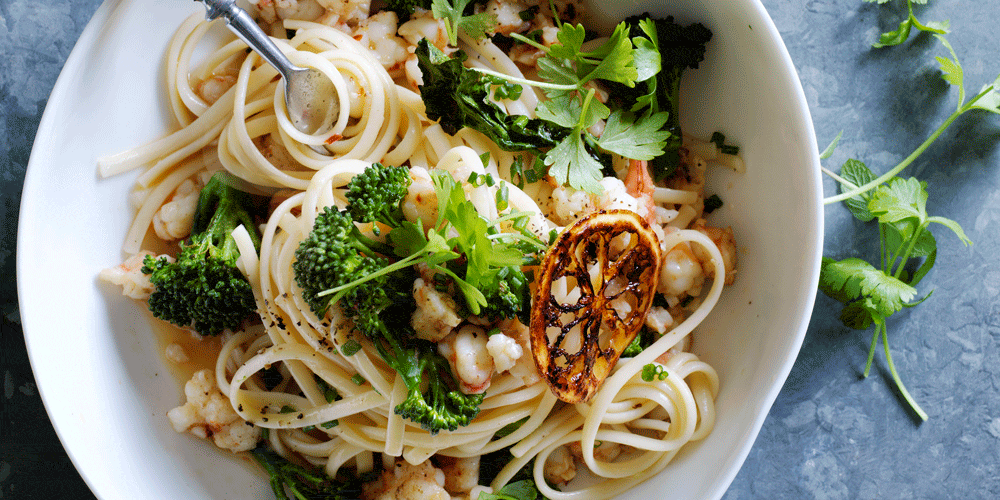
(240,23)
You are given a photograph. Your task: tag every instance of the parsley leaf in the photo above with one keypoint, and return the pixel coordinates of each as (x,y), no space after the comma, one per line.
(570,163)
(899,200)
(488,260)
(869,294)
(639,138)
(453,15)
(989,98)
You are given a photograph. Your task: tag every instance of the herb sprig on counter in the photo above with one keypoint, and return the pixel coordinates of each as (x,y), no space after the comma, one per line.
(902,32)
(908,250)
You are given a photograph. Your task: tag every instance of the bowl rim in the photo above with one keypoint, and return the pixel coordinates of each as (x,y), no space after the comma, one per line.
(75,64)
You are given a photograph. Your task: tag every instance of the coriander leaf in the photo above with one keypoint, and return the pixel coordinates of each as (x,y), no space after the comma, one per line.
(901,33)
(570,163)
(641,138)
(989,98)
(561,108)
(592,111)
(565,63)
(680,48)
(952,70)
(478,25)
(557,71)
(646,58)
(898,200)
(940,27)
(617,60)
(857,173)
(570,40)
(853,278)
(924,269)
(900,233)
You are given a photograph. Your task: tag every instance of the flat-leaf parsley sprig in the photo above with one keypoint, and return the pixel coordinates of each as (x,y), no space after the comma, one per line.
(872,294)
(568,70)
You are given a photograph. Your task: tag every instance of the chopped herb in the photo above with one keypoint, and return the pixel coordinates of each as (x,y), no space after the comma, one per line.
(712,203)
(528,14)
(654,371)
(351,347)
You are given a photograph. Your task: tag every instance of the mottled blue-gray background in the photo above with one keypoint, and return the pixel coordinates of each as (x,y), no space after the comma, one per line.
(831,435)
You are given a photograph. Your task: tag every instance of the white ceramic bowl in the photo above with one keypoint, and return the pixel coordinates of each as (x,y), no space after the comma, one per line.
(100,370)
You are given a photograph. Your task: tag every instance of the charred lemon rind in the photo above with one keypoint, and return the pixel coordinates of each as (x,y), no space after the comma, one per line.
(612,258)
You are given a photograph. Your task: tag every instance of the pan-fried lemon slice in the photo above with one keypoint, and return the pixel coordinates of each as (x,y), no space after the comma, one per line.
(596,285)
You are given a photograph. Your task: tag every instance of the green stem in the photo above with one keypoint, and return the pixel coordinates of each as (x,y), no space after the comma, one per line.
(898,168)
(883,247)
(395,266)
(833,175)
(913,156)
(899,383)
(905,256)
(871,351)
(525,81)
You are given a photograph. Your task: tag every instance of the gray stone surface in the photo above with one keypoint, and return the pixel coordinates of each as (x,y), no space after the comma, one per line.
(831,435)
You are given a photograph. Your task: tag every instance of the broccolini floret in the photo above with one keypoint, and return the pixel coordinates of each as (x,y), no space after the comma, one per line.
(334,254)
(377,296)
(335,263)
(204,289)
(301,483)
(376,194)
(508,296)
(440,406)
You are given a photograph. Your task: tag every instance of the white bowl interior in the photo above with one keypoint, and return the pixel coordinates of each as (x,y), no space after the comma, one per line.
(102,375)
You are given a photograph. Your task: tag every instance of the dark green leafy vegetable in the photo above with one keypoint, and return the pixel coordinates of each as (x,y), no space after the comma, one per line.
(712,203)
(459,97)
(404,8)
